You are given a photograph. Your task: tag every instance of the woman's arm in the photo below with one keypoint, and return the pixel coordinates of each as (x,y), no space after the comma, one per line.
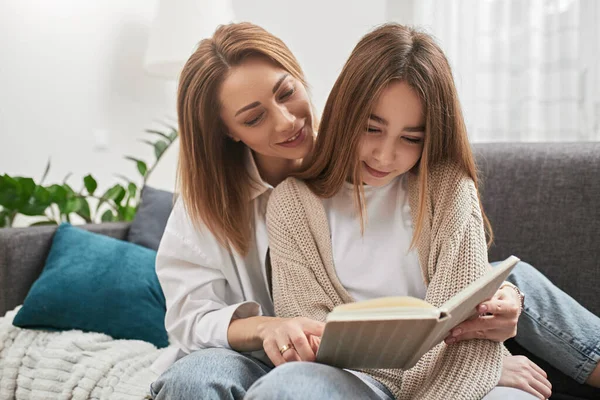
(272,334)
(198,298)
(200,313)
(198,309)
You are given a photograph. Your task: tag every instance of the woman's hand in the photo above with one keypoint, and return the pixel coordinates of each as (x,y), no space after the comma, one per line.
(302,335)
(521,373)
(497,319)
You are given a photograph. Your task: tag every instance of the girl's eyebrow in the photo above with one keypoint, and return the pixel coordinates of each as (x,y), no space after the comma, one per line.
(377,118)
(414,129)
(384,122)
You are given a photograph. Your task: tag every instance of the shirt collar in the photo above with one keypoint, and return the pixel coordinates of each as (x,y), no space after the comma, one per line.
(257,185)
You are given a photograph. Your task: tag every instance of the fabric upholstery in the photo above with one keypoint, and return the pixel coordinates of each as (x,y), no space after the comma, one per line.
(23,252)
(95,283)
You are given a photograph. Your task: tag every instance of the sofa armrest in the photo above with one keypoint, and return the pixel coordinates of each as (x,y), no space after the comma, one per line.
(23,253)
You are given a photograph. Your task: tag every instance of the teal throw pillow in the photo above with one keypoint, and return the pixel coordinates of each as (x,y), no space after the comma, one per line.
(96,283)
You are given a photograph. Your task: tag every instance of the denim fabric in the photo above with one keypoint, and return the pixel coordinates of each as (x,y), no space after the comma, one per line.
(222,374)
(554,327)
(507,393)
(225,374)
(305,380)
(209,374)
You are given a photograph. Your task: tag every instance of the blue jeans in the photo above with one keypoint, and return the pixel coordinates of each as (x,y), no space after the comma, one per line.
(225,374)
(554,327)
(215,374)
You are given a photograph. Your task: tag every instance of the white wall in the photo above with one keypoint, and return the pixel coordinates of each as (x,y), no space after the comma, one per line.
(73,89)
(321,34)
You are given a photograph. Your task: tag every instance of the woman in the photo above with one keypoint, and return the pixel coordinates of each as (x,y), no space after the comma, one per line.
(246,123)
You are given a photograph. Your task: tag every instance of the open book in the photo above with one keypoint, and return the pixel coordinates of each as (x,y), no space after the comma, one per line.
(395,332)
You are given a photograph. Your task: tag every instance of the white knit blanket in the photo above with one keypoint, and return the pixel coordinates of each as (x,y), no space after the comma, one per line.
(72,365)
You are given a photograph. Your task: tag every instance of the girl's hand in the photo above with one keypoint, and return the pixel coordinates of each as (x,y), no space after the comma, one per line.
(521,373)
(497,320)
(302,337)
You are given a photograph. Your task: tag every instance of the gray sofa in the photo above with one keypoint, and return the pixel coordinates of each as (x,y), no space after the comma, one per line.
(543,201)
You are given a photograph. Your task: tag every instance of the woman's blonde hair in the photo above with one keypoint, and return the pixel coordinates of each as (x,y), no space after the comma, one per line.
(390,53)
(212,175)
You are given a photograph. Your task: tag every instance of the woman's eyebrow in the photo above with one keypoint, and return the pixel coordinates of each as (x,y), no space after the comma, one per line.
(279,82)
(248,107)
(257,103)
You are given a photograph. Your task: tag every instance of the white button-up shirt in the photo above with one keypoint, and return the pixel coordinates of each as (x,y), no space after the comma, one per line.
(207,285)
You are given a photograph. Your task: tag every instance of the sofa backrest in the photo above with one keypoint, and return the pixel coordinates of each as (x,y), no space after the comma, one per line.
(543,201)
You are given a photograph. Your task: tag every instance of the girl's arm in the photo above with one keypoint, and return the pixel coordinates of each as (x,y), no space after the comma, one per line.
(457,256)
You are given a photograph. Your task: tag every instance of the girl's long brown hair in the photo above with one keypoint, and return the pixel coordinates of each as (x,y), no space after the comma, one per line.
(211,173)
(388,53)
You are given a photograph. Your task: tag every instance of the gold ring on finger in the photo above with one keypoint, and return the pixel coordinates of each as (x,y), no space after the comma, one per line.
(285,348)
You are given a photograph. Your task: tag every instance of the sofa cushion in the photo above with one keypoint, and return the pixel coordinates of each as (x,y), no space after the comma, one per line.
(92,282)
(151,218)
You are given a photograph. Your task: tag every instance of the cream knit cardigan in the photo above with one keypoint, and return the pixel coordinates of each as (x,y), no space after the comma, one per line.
(452,253)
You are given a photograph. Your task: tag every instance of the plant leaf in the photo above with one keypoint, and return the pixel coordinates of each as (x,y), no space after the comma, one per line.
(72,206)
(123,177)
(155,132)
(84,210)
(108,216)
(141,166)
(58,194)
(3,218)
(25,201)
(67,176)
(69,189)
(90,184)
(115,193)
(159,148)
(11,196)
(42,195)
(45,172)
(27,186)
(48,222)
(120,195)
(129,213)
(147,142)
(37,203)
(132,188)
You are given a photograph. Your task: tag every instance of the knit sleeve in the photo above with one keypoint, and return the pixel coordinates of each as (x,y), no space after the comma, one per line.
(297,279)
(468,369)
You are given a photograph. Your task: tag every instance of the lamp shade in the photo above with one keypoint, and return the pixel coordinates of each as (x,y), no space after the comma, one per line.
(178,27)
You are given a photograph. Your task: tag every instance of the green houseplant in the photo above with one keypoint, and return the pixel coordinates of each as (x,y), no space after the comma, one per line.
(57,203)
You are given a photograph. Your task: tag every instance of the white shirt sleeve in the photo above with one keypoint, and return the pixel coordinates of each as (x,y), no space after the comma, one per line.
(199,301)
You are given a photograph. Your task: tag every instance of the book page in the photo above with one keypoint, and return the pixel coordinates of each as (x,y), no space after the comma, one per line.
(384,302)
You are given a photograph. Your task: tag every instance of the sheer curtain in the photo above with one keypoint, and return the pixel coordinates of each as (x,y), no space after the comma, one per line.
(525,70)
